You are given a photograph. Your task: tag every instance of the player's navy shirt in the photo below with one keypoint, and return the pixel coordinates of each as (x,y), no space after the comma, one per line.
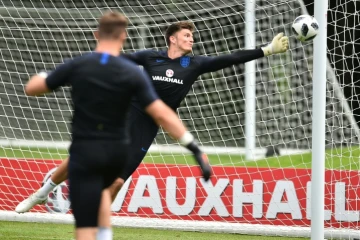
(173,78)
(102,89)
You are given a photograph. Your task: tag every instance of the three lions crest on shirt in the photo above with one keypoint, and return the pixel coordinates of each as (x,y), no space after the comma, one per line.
(185,61)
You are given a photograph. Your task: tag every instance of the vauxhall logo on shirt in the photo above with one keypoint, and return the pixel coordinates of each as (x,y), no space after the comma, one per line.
(169,73)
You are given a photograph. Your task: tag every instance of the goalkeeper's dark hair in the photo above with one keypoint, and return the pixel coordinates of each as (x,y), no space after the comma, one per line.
(111,25)
(175,27)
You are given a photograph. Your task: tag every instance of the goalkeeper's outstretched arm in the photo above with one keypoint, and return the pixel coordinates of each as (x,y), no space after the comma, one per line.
(279,44)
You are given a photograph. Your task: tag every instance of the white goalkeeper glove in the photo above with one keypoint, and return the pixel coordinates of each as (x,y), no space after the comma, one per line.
(279,44)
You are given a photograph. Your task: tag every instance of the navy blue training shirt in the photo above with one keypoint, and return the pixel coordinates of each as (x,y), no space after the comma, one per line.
(173,78)
(102,89)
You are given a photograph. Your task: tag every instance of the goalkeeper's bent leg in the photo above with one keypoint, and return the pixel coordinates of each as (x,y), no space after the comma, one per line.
(40,196)
(115,188)
(112,190)
(61,173)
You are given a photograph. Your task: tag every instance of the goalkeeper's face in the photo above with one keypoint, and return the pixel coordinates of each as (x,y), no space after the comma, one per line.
(183,40)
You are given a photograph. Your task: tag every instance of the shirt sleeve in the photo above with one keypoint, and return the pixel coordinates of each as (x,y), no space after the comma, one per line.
(212,64)
(60,76)
(144,89)
(138,57)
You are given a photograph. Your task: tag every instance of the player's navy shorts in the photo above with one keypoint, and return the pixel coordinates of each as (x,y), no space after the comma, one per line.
(94,165)
(143,131)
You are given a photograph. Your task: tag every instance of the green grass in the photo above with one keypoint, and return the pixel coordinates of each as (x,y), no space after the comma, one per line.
(48,231)
(339,158)
(33,153)
(345,158)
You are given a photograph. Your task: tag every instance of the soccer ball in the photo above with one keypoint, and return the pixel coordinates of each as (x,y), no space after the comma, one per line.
(305,28)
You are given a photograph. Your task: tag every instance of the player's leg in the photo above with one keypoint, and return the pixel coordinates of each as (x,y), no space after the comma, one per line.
(104,223)
(115,188)
(143,131)
(61,173)
(118,154)
(85,188)
(41,195)
(90,172)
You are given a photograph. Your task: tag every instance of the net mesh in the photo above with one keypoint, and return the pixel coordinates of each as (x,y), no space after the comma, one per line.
(39,35)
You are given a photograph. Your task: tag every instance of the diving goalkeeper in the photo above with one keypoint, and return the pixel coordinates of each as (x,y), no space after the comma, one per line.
(172,72)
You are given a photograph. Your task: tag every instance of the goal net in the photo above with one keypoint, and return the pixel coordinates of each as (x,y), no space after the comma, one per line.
(268,196)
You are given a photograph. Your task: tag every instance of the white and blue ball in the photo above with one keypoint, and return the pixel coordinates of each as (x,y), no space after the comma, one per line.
(305,28)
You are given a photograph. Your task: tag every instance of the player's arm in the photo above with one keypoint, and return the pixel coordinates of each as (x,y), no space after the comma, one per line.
(137,57)
(167,118)
(43,82)
(279,44)
(37,85)
(163,115)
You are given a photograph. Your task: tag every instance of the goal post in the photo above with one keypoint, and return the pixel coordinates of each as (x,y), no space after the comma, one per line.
(250,82)
(270,195)
(318,123)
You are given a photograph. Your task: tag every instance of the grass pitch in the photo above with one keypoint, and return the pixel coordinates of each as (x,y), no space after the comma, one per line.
(339,158)
(42,231)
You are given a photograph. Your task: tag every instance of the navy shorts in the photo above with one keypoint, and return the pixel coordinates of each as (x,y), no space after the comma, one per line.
(143,131)
(94,165)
